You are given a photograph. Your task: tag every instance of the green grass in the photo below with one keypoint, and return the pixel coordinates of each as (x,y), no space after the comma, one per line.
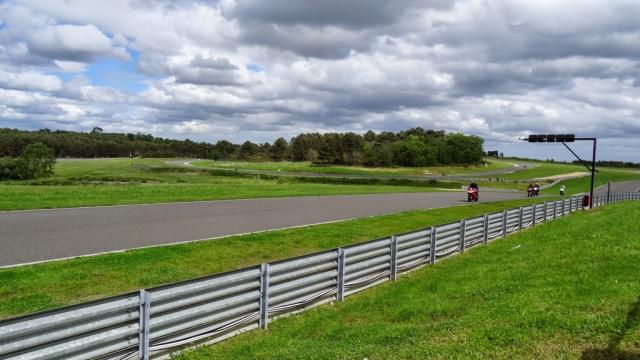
(307,167)
(44,286)
(566,289)
(520,179)
(543,169)
(92,182)
(605,175)
(21,197)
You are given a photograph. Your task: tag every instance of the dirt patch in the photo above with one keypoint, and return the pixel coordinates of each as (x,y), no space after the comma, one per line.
(564,176)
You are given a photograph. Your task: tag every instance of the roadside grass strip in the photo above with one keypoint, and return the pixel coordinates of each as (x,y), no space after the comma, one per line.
(565,289)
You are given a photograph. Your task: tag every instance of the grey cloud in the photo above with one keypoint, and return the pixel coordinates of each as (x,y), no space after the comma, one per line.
(213,63)
(323,29)
(206,76)
(327,43)
(355,14)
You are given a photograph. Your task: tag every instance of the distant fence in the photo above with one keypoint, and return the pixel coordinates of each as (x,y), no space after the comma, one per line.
(153,323)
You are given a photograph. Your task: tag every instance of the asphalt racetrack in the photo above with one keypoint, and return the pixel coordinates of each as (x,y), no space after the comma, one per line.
(38,235)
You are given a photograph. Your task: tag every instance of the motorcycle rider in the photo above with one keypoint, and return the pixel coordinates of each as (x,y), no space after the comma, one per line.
(473,187)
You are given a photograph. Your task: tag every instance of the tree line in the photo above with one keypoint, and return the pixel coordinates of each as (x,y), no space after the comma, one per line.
(413,147)
(612,163)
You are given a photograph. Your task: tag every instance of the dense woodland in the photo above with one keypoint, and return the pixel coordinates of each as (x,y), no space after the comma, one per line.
(413,147)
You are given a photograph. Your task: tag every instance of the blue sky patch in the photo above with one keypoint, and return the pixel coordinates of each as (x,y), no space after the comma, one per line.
(254,68)
(117,74)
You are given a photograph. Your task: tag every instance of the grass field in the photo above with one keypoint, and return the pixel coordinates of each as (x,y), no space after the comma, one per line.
(543,169)
(43,286)
(605,175)
(91,182)
(308,167)
(520,179)
(568,289)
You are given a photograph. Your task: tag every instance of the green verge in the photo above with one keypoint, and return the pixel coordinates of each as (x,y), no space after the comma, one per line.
(44,286)
(566,289)
(24,197)
(93,182)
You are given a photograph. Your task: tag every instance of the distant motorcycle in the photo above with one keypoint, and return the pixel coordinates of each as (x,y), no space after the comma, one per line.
(472,194)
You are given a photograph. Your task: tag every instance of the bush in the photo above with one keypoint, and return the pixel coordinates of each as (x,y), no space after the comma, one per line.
(36,161)
(8,168)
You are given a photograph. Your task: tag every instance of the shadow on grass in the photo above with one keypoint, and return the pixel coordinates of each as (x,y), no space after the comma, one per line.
(612,351)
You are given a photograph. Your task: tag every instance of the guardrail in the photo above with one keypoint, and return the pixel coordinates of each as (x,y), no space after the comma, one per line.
(153,323)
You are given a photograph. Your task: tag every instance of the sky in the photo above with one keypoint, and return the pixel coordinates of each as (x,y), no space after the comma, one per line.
(257,70)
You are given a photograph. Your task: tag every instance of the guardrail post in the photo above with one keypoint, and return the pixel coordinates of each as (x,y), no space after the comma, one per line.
(544,213)
(394,258)
(534,213)
(520,218)
(463,225)
(485,238)
(563,207)
(555,210)
(264,296)
(341,258)
(432,248)
(143,336)
(504,223)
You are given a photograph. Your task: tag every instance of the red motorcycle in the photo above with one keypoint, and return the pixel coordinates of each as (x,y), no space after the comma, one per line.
(472,194)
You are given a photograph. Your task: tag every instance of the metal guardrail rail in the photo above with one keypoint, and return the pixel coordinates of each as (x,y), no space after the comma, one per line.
(153,323)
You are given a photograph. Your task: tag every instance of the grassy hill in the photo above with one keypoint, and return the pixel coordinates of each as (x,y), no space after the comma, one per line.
(566,289)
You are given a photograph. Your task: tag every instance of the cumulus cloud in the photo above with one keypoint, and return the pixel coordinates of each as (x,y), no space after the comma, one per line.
(249,69)
(28,80)
(77,43)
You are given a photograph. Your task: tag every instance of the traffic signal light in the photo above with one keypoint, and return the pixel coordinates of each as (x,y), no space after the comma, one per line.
(552,138)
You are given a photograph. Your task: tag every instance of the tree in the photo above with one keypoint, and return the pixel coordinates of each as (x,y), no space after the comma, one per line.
(278,149)
(223,150)
(36,161)
(247,150)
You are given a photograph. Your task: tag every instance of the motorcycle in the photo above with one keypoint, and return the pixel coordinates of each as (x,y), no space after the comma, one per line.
(472,194)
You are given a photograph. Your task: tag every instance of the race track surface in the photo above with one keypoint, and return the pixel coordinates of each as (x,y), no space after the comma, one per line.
(620,187)
(30,236)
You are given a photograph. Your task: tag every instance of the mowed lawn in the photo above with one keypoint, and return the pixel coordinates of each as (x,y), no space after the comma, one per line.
(568,289)
(308,167)
(92,182)
(44,286)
